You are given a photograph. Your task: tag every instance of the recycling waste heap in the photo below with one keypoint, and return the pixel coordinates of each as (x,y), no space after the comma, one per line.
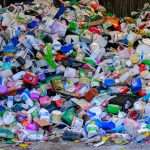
(74,72)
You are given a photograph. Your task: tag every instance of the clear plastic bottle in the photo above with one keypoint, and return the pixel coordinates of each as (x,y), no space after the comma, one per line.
(147,109)
(10,101)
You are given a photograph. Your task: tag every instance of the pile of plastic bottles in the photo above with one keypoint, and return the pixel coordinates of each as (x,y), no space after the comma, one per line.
(74,72)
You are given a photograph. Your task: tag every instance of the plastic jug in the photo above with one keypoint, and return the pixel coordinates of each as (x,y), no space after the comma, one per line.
(68,116)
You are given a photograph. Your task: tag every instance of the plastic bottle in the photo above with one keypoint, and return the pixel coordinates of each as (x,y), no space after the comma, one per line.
(37,136)
(10,101)
(18,75)
(136,85)
(131,127)
(27,99)
(147,109)
(92,129)
(49,57)
(44,114)
(8,118)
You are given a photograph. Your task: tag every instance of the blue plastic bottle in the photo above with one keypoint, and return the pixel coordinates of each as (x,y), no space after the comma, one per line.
(136,85)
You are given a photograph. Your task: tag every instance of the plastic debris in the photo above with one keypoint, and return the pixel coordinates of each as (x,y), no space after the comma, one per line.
(74,71)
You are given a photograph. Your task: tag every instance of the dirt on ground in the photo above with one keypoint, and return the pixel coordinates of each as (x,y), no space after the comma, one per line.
(75,146)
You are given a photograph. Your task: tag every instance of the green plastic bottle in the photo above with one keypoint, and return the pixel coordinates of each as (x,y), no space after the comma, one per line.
(49,57)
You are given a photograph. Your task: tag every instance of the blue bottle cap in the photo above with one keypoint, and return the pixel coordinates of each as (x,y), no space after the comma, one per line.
(66,48)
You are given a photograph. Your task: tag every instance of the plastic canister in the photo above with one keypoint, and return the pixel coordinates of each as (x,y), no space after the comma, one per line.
(68,116)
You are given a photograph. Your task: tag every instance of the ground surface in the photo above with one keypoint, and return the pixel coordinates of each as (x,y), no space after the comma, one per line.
(74,146)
